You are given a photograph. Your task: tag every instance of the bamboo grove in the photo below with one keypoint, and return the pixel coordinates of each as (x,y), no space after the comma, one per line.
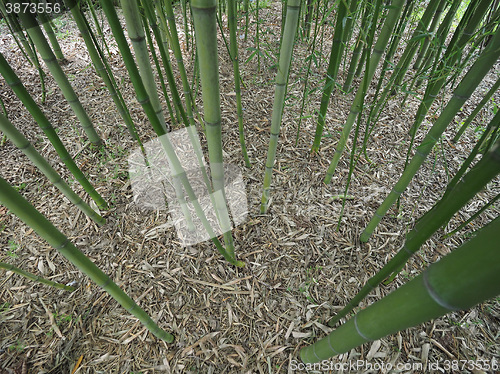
(447,46)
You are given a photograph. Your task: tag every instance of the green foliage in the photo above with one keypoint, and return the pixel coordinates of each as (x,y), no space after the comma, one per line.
(13,246)
(17,347)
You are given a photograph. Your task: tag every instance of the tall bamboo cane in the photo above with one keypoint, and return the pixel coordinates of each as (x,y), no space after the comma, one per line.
(174,44)
(18,34)
(101,69)
(150,23)
(403,63)
(47,26)
(478,108)
(438,43)
(35,278)
(473,217)
(136,34)
(23,144)
(427,41)
(143,99)
(233,46)
(467,276)
(380,45)
(205,27)
(342,26)
(466,87)
(358,46)
(452,55)
(473,182)
(13,201)
(15,83)
(189,121)
(290,28)
(36,35)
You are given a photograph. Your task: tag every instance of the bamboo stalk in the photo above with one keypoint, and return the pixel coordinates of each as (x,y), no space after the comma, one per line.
(473,182)
(35,278)
(466,87)
(462,35)
(478,108)
(143,99)
(47,26)
(24,145)
(290,28)
(204,17)
(137,37)
(13,201)
(379,48)
(343,24)
(233,46)
(36,35)
(473,217)
(15,83)
(104,72)
(467,276)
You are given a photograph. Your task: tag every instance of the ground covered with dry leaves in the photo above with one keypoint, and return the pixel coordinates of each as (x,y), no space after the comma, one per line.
(299,268)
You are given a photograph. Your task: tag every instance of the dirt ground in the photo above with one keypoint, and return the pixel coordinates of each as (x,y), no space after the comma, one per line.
(299,268)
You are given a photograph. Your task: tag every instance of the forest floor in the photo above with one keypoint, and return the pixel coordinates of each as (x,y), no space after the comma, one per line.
(299,268)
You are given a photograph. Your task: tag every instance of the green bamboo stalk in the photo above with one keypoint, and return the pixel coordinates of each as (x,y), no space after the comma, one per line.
(233,41)
(473,182)
(404,62)
(395,42)
(364,86)
(177,102)
(468,26)
(103,71)
(185,18)
(293,10)
(174,44)
(27,48)
(35,278)
(167,66)
(343,24)
(41,73)
(466,87)
(185,84)
(24,145)
(375,110)
(431,33)
(438,43)
(143,99)
(48,27)
(308,10)
(478,108)
(90,4)
(36,35)
(15,83)
(247,15)
(492,127)
(358,48)
(257,34)
(17,32)
(379,48)
(162,43)
(137,36)
(204,17)
(13,201)
(473,217)
(467,276)
(309,60)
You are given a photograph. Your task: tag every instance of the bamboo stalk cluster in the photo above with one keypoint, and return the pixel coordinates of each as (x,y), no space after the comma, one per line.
(373,31)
